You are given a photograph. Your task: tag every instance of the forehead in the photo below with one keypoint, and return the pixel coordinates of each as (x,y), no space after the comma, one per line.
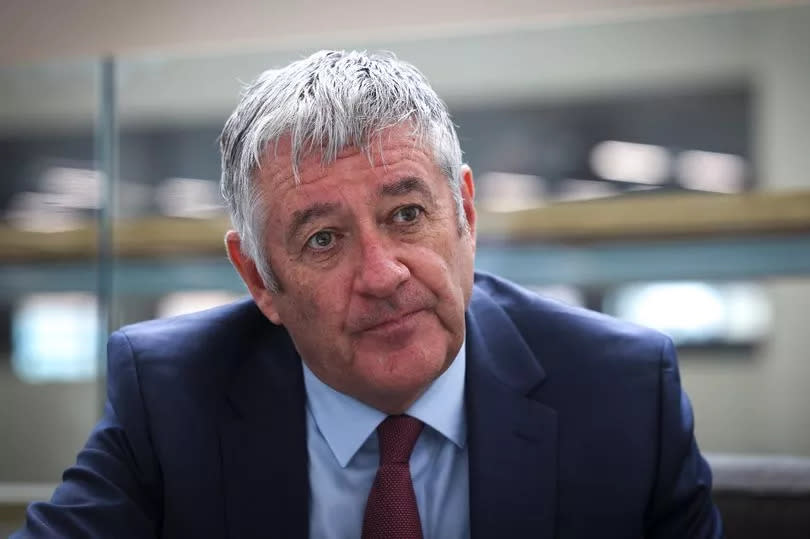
(391,150)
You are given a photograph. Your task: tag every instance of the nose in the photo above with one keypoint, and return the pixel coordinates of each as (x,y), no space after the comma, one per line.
(379,271)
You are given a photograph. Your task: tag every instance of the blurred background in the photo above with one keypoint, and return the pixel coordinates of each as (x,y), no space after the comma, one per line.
(648,159)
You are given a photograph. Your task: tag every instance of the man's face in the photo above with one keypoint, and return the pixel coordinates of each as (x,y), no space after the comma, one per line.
(374,272)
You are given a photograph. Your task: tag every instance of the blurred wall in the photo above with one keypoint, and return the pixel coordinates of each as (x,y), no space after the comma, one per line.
(47,29)
(761,404)
(41,433)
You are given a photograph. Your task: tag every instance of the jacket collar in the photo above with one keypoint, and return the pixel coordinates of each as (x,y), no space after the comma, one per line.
(263,439)
(512,437)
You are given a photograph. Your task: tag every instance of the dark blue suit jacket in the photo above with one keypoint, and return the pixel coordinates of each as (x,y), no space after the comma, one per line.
(577,425)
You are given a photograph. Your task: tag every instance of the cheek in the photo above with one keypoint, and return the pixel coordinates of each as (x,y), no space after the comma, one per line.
(451,262)
(313,300)
(446,272)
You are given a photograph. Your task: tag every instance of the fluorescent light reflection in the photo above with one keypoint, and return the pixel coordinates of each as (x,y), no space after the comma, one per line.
(631,162)
(65,194)
(54,338)
(188,197)
(572,189)
(711,171)
(178,303)
(78,188)
(42,212)
(562,293)
(506,191)
(696,312)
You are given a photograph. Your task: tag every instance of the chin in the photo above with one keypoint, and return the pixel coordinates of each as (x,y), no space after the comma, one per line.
(408,370)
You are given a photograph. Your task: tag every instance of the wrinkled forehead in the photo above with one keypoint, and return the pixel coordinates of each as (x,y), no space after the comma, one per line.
(387,145)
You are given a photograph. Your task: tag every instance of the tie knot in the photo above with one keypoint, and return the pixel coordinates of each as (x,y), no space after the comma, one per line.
(397,435)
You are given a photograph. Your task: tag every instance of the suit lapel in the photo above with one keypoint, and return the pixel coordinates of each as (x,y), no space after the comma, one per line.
(263,442)
(512,437)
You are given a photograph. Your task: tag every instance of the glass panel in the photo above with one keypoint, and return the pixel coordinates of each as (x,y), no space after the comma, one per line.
(49,202)
(171,219)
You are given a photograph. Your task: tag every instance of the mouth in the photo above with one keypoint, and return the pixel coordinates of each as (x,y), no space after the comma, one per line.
(393,323)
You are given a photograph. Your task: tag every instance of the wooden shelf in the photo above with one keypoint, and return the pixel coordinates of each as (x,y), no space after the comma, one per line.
(135,238)
(654,217)
(650,217)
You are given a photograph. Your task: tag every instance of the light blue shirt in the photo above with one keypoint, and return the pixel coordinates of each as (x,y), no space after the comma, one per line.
(343,457)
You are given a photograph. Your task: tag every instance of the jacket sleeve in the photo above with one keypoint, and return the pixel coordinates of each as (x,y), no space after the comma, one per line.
(113,489)
(681,504)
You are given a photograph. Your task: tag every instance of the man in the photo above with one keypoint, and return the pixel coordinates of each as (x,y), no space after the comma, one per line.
(374,386)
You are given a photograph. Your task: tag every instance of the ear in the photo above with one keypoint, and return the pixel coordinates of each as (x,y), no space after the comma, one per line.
(263,297)
(468,198)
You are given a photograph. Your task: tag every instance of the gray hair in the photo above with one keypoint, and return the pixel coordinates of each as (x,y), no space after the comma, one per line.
(327,102)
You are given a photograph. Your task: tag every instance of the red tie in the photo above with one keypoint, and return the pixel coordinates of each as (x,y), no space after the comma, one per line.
(391,511)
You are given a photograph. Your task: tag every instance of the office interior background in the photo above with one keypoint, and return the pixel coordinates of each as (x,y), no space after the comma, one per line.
(648,159)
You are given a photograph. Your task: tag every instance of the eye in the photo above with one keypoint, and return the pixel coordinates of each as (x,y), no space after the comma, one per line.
(321,240)
(407,214)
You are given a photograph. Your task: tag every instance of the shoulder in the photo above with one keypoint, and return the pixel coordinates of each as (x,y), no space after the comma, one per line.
(201,348)
(593,365)
(188,335)
(558,332)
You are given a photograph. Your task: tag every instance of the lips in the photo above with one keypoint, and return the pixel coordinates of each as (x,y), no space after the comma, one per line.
(392,321)
(388,322)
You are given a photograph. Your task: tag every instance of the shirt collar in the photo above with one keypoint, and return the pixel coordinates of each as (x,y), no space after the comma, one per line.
(346,423)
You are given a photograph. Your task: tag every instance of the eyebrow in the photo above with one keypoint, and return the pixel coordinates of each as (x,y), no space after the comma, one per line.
(406,185)
(302,217)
